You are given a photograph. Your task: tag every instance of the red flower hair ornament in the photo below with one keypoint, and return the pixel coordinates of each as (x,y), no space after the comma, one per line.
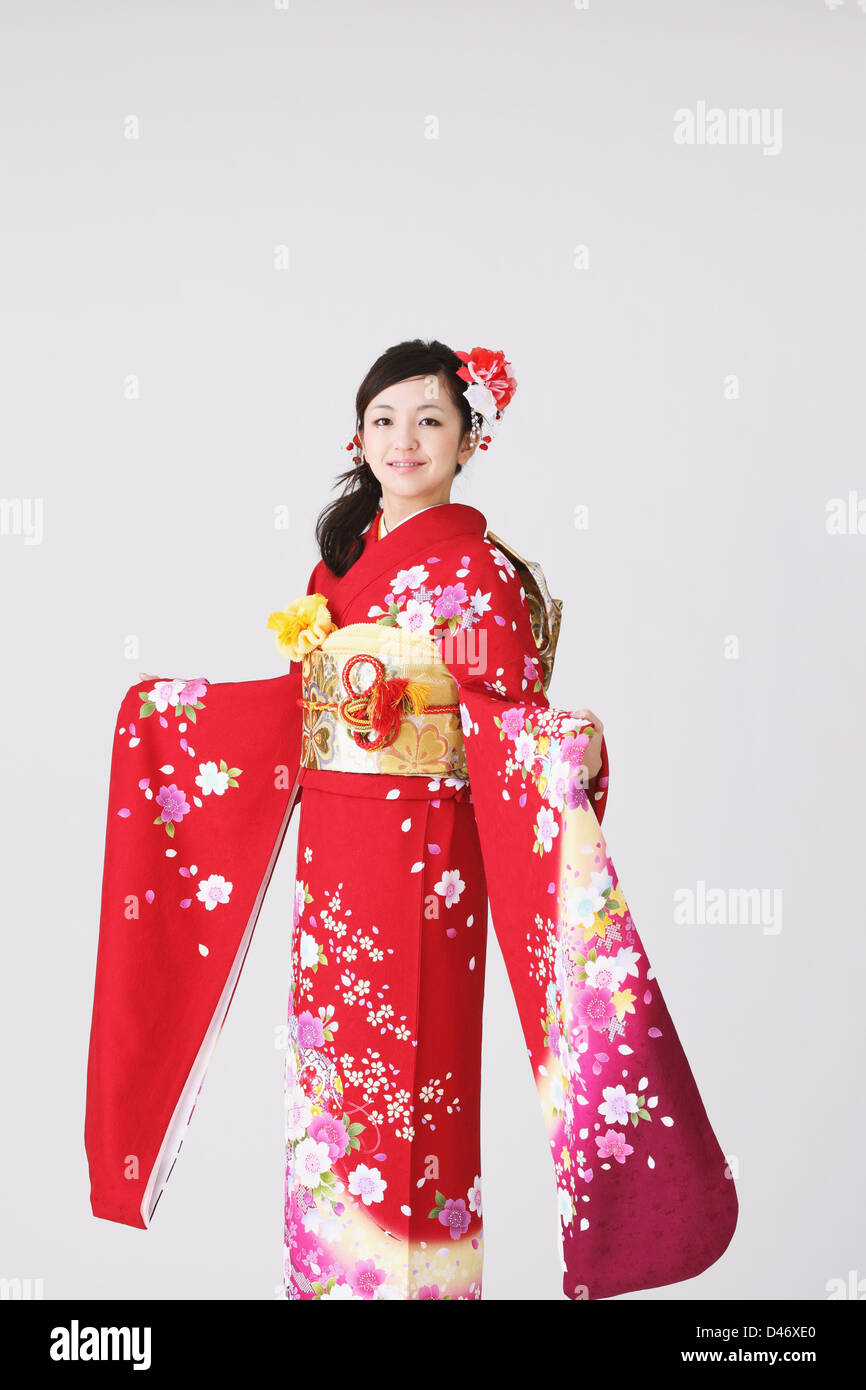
(491,385)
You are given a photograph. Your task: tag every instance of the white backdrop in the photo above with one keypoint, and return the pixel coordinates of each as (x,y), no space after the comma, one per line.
(215,217)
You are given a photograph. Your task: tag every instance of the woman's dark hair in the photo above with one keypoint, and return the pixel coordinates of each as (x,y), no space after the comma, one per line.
(342,523)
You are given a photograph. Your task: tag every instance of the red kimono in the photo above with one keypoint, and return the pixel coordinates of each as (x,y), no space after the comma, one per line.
(383,1038)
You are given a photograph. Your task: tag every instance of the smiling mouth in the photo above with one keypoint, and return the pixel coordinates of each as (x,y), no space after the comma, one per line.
(410,463)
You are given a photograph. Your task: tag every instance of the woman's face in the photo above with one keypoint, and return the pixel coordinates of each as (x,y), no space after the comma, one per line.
(412,437)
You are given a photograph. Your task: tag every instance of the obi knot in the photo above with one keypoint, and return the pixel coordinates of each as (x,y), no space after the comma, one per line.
(380,708)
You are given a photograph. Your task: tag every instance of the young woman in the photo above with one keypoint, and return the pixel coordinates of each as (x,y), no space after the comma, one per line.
(414,729)
(413,810)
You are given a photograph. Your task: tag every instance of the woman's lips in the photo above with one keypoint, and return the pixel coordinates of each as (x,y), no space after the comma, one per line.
(406,463)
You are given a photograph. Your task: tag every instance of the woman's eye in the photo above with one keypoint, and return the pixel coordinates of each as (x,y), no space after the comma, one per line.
(428,420)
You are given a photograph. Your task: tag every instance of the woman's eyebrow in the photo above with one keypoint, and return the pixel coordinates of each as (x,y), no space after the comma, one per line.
(383,405)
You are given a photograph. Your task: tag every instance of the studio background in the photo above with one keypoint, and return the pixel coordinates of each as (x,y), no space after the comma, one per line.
(216,217)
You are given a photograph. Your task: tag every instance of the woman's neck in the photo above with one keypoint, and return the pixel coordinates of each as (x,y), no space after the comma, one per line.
(392,515)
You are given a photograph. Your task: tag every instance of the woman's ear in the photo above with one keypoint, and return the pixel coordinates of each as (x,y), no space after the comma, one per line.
(466,450)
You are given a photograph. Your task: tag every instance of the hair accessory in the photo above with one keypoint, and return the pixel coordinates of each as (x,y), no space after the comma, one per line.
(491,386)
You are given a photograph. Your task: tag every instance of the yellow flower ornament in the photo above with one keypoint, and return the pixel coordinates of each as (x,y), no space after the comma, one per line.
(303,627)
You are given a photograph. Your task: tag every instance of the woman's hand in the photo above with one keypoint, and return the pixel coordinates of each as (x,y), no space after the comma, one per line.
(592,760)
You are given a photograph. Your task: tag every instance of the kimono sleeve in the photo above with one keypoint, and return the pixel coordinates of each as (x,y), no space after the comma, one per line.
(645,1197)
(499,658)
(202,786)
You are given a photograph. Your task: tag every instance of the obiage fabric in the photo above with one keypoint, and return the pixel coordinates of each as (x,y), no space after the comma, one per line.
(383,1194)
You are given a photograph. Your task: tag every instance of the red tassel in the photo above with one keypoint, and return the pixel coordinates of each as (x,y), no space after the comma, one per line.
(383,708)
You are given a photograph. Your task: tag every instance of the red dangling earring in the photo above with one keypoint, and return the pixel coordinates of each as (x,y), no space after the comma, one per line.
(356,444)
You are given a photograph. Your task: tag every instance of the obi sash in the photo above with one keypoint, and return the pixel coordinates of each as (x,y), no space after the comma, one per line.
(339,682)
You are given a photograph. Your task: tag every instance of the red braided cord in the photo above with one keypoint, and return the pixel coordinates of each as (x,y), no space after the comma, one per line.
(355,709)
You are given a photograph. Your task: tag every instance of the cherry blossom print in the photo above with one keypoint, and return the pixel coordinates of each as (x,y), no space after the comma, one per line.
(566,1206)
(216,778)
(452,601)
(556,790)
(298,1114)
(512,722)
(212,779)
(531,672)
(174,806)
(214,890)
(586,902)
(416,617)
(546,829)
(595,1008)
(367,1183)
(311,1033)
(312,954)
(613,1144)
(454,1215)
(410,579)
(502,561)
(163,695)
(435,610)
(312,1159)
(618,1105)
(302,897)
(365,1279)
(192,692)
(573,747)
(603,972)
(524,749)
(328,1129)
(450,886)
(184,697)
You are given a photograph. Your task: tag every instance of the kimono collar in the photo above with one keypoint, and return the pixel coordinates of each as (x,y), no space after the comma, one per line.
(413,540)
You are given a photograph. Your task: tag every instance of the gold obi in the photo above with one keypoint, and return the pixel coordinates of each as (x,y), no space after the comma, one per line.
(338,686)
